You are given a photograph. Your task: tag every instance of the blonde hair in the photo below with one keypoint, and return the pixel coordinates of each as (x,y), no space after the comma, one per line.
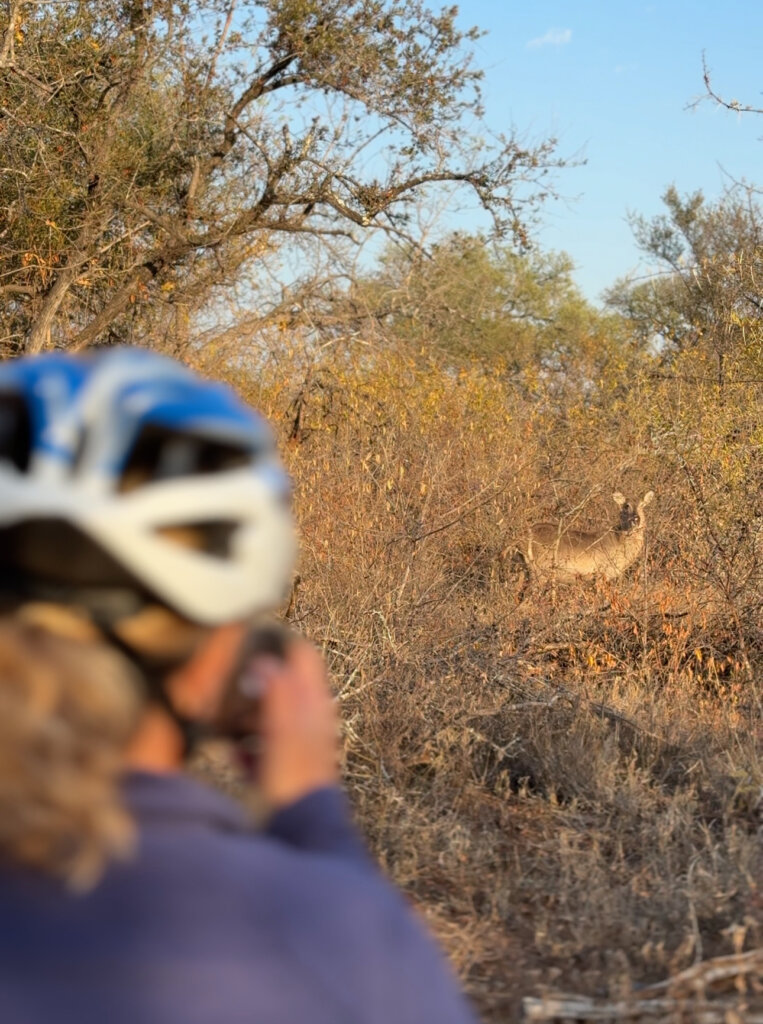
(69,705)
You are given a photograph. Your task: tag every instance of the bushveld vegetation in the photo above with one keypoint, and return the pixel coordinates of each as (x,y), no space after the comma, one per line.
(569,786)
(572,794)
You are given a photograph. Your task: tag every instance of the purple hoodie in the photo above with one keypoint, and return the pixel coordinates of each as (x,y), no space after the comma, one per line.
(214,923)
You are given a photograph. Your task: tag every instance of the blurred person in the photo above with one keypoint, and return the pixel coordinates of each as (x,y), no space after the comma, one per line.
(145,524)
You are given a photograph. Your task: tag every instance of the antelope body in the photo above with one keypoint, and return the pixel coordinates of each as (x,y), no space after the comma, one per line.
(566,555)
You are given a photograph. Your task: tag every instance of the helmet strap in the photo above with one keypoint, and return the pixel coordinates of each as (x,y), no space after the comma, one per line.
(154,671)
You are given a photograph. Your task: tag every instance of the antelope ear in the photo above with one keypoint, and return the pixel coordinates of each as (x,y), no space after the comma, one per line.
(620,499)
(646,499)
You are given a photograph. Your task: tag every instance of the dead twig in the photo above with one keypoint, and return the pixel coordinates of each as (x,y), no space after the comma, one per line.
(686,997)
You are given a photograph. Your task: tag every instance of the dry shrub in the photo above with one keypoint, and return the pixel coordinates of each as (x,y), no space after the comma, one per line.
(572,795)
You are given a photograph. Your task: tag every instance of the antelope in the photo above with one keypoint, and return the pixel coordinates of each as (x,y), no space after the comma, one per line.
(566,555)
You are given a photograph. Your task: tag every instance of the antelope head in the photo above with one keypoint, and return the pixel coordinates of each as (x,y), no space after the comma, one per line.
(631,519)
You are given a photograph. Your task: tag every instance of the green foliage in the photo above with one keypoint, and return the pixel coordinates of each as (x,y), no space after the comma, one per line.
(707,297)
(469,301)
(155,153)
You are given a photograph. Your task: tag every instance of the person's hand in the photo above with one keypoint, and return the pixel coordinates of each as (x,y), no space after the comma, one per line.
(298,729)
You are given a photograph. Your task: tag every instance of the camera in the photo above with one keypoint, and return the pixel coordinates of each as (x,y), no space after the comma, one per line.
(238,719)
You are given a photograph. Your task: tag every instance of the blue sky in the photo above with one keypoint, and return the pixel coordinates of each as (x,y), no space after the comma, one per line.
(612,81)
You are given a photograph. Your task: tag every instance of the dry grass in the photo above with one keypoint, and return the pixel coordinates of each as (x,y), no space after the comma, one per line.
(572,795)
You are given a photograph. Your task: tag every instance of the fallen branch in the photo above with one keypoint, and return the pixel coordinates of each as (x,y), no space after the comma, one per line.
(667,1010)
(688,997)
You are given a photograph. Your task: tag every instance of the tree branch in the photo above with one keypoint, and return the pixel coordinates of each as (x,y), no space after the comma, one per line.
(18,289)
(39,333)
(220,44)
(735,105)
(7,51)
(253,92)
(119,301)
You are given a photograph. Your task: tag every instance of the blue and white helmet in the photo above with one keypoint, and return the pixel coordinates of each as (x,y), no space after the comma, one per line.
(105,460)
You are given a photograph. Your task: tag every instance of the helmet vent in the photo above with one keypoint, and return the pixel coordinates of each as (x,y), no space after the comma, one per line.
(15,431)
(213,537)
(162,454)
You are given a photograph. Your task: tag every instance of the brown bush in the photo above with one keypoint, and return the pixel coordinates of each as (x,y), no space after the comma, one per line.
(572,795)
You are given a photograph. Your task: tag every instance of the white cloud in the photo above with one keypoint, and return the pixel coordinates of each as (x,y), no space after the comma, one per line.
(554,37)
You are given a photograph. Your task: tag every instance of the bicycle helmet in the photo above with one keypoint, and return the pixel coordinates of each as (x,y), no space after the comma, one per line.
(126,479)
